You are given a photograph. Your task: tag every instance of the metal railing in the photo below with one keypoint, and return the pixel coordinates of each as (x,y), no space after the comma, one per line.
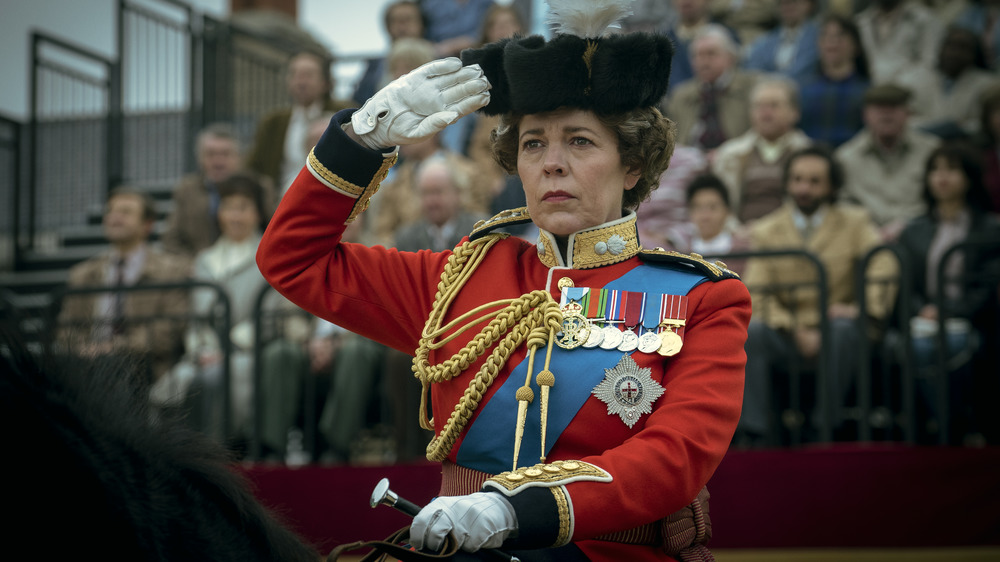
(11,138)
(72,158)
(794,416)
(85,335)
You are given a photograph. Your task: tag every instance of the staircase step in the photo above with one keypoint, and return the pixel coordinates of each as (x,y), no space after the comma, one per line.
(25,283)
(93,234)
(63,258)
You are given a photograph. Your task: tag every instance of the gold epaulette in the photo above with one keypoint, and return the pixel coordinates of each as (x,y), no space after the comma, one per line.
(716,271)
(503,218)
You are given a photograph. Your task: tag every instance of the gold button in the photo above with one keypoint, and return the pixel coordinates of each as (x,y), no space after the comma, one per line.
(565,282)
(696,256)
(571,465)
(514,477)
(551,468)
(533,472)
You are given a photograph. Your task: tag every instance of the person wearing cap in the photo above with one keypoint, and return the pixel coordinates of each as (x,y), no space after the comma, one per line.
(884,162)
(584,389)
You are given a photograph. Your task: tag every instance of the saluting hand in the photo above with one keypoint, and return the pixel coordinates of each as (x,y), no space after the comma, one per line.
(421,103)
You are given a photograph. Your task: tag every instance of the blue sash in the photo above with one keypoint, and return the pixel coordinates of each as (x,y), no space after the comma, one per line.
(489,443)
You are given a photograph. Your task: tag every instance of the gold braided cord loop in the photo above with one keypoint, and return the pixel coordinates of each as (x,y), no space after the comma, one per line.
(511,323)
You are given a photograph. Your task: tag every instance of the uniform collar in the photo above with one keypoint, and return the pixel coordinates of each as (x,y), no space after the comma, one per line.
(605,244)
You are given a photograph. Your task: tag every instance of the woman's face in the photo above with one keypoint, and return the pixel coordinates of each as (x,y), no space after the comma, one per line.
(947,181)
(572,173)
(708,212)
(835,45)
(238,217)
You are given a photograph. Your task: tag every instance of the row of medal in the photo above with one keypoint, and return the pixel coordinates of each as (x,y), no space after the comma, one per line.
(622,320)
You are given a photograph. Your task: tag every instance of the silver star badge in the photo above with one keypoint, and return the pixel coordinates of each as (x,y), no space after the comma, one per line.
(628,391)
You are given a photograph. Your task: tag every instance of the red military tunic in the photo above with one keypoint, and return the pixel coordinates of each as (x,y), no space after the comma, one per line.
(655,467)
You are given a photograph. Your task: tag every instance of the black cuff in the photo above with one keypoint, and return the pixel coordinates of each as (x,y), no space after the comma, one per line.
(538,518)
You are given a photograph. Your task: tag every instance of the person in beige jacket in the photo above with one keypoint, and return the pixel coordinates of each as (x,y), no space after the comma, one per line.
(785,328)
(147,324)
(751,165)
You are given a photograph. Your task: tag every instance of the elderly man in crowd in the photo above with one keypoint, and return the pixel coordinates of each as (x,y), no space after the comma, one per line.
(885,161)
(191,225)
(714,105)
(752,164)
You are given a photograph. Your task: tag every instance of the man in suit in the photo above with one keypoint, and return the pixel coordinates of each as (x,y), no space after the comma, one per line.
(146,323)
(714,105)
(442,226)
(277,152)
(785,328)
(192,224)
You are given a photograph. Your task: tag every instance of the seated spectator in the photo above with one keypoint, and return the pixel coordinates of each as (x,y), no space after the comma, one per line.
(715,233)
(277,152)
(501,21)
(789,49)
(900,36)
(948,98)
(352,367)
(785,329)
(884,162)
(403,19)
(989,143)
(191,225)
(398,203)
(713,106)
(831,96)
(751,165)
(145,323)
(442,225)
(692,15)
(956,202)
(453,25)
(663,218)
(982,17)
(750,18)
(230,264)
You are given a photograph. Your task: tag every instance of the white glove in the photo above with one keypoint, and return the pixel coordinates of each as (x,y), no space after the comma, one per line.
(479,520)
(421,103)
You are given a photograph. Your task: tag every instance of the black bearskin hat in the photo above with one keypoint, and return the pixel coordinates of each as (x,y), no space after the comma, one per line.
(581,67)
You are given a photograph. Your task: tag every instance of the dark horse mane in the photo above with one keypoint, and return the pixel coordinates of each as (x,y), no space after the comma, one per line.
(89,470)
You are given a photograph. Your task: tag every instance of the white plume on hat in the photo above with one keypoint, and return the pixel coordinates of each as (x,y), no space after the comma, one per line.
(587,18)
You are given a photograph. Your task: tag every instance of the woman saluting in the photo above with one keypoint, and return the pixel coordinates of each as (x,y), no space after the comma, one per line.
(584,389)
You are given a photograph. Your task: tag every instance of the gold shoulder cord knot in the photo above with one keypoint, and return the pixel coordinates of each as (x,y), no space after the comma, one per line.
(533,317)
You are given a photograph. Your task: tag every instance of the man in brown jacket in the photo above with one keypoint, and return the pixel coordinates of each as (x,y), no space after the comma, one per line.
(145,323)
(277,153)
(785,328)
(192,226)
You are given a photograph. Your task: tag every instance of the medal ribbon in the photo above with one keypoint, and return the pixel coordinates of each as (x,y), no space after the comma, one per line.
(634,302)
(573,294)
(595,304)
(674,307)
(613,312)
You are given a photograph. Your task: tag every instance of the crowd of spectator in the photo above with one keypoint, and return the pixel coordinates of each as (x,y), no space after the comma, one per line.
(833,127)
